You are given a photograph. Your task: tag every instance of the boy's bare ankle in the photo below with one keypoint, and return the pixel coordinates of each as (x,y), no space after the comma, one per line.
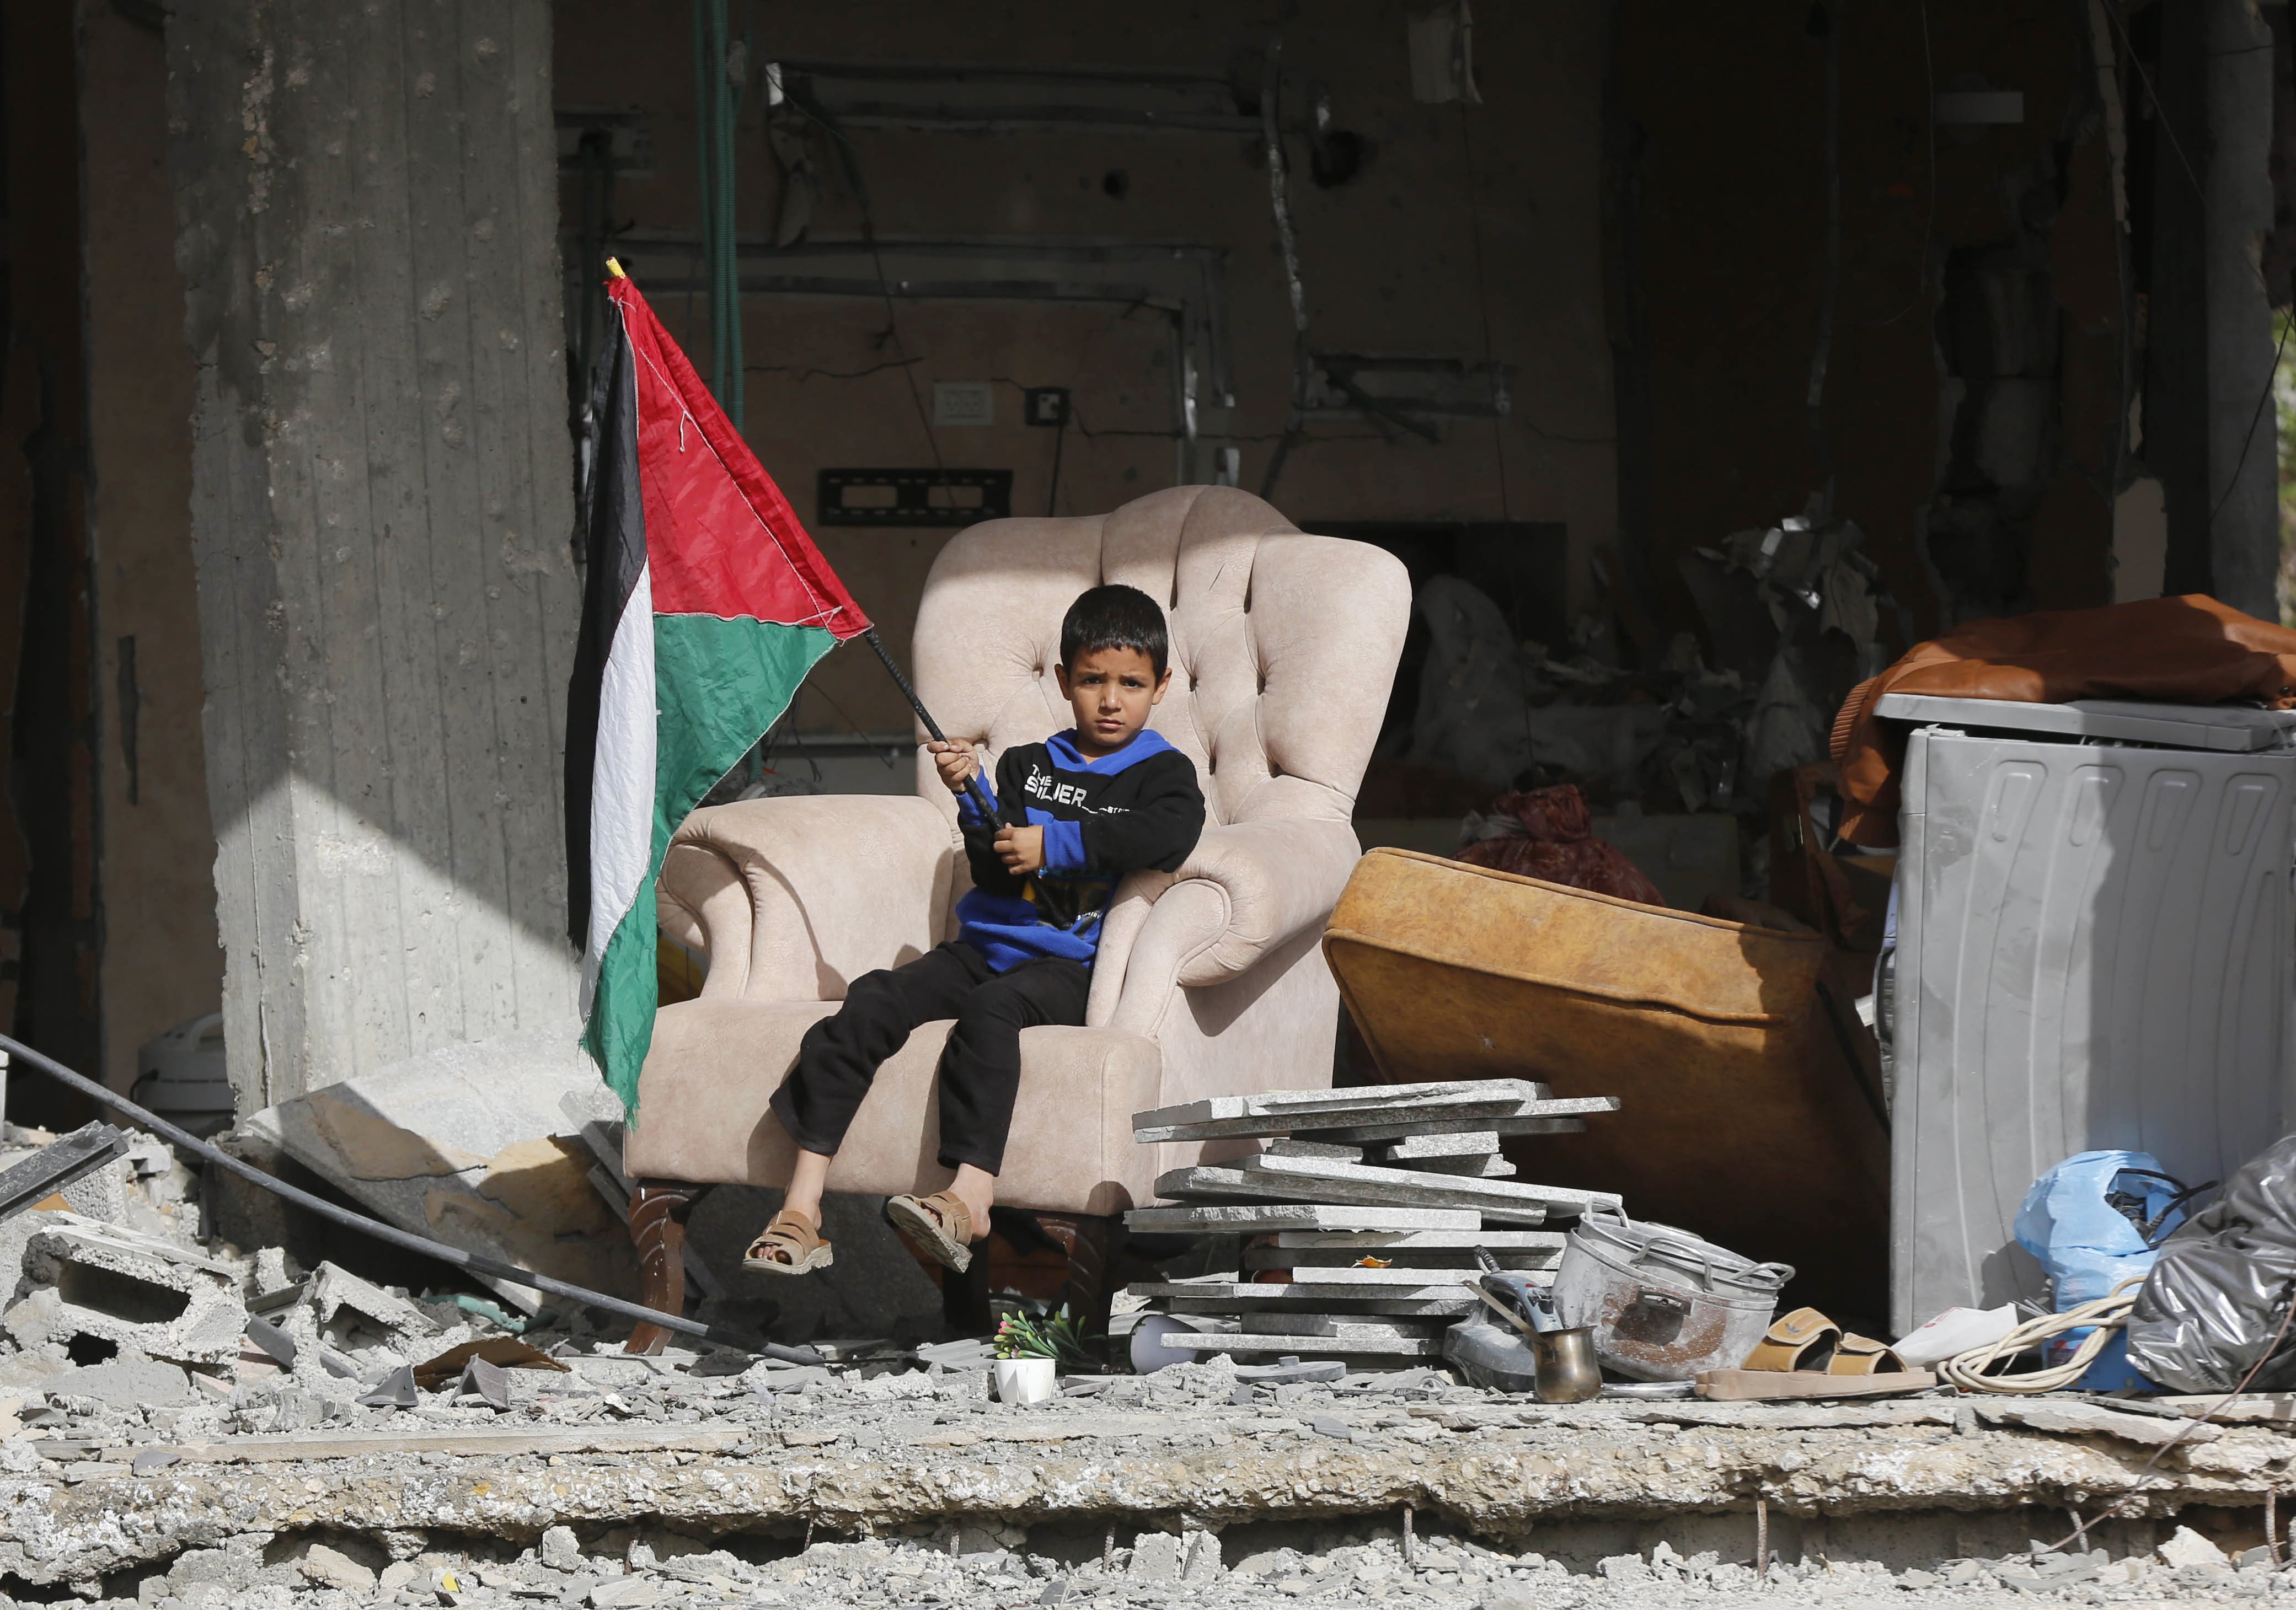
(977,1204)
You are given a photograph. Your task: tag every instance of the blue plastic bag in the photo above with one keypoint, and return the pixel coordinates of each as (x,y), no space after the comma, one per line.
(2081,1220)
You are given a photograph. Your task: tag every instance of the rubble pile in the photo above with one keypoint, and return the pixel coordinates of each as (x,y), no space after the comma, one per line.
(1363,1213)
(896,1481)
(996,1567)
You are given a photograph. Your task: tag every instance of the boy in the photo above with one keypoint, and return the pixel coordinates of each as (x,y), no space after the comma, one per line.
(1072,815)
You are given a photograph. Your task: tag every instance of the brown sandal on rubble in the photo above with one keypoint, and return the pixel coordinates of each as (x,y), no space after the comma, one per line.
(1806,1340)
(940,1226)
(1862,1355)
(791,1244)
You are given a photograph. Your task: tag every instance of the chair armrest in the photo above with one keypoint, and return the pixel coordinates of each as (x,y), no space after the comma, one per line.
(1245,890)
(793,898)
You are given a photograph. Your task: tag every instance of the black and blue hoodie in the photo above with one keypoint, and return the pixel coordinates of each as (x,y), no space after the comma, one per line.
(1136,809)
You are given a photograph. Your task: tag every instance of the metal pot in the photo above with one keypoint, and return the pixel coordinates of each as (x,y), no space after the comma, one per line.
(1567,1371)
(1662,1303)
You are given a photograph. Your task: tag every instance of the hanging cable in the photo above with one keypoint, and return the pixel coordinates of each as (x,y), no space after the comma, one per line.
(1483,301)
(1929,218)
(816,114)
(1271,93)
(1821,356)
(719,68)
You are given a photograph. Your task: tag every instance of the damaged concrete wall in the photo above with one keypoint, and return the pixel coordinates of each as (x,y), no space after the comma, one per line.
(1971,402)
(2243,531)
(381,506)
(50,894)
(160,964)
(1463,230)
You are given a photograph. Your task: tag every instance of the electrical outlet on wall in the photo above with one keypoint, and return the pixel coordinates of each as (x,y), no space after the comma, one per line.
(964,403)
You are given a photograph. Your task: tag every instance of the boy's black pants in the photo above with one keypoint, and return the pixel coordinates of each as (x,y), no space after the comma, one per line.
(979,1067)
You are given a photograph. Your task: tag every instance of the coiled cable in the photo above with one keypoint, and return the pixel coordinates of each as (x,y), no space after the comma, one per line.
(2103,1319)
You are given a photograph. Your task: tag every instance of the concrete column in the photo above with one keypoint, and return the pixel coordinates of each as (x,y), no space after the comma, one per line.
(381,505)
(2243,463)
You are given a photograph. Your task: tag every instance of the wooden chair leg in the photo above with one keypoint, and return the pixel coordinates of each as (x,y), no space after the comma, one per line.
(657,1210)
(1095,1244)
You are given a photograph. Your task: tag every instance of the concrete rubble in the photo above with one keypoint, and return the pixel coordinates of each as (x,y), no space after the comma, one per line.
(477,1145)
(118,1287)
(699,1479)
(312,1438)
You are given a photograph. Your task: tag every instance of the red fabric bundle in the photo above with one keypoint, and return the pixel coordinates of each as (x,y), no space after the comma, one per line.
(1557,844)
(2188,650)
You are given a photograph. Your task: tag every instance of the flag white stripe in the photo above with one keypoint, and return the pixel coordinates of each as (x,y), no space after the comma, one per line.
(622,783)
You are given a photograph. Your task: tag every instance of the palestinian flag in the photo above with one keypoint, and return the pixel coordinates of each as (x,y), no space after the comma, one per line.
(705,605)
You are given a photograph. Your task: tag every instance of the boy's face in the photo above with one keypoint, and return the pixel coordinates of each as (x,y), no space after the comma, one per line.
(1112,692)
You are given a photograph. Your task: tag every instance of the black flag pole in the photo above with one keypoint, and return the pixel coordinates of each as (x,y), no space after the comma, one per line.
(972,788)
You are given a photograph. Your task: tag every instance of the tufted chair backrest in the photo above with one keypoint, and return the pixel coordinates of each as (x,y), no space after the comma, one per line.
(1284,644)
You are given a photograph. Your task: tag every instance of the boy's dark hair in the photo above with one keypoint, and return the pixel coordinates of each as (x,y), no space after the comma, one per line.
(1115,617)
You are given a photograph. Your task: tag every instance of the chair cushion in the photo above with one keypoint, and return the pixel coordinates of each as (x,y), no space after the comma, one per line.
(714,1064)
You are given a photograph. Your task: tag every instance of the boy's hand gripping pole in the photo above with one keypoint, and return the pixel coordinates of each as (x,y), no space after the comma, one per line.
(972,788)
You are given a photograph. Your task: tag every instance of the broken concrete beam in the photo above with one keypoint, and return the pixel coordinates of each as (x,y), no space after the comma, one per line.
(1556,1115)
(49,1170)
(1533,1476)
(355,1315)
(2249,1408)
(1415,1188)
(273,1448)
(1388,1187)
(1263,1218)
(468,1144)
(125,1384)
(2082,1419)
(130,1290)
(16,1234)
(1390,1346)
(1281,1112)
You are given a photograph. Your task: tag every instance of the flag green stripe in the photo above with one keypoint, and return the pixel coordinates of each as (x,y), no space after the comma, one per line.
(719,685)
(621,1011)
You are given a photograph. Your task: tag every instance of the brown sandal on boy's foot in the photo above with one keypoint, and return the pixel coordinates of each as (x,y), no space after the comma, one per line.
(940,1226)
(791,1244)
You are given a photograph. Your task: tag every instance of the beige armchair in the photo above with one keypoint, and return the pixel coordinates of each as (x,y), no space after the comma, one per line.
(1209,981)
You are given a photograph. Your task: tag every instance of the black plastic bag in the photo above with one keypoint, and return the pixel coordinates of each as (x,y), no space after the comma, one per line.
(2218,1293)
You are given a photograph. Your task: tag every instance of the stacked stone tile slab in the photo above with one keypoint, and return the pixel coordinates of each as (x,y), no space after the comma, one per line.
(1363,1209)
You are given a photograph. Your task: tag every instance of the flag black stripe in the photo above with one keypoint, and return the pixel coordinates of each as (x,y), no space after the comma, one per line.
(614,550)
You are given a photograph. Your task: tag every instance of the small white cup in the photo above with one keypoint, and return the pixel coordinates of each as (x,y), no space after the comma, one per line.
(1024,1381)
